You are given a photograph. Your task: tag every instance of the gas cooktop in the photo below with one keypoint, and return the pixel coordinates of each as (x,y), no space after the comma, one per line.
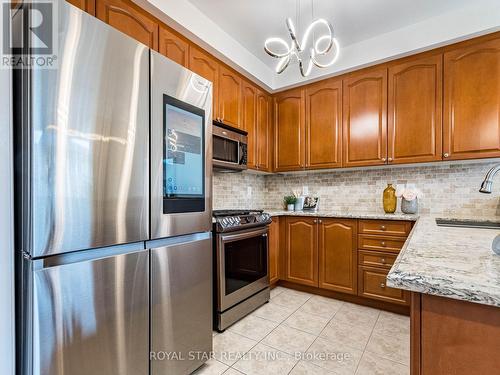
(232,220)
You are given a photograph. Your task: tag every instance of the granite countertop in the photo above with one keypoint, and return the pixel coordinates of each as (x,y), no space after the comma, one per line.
(450,262)
(345,214)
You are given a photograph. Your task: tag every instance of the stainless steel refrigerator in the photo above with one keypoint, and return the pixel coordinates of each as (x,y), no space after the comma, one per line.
(113,208)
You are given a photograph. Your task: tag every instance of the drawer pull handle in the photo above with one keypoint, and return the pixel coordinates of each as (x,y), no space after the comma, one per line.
(382,285)
(382,260)
(383,243)
(382,227)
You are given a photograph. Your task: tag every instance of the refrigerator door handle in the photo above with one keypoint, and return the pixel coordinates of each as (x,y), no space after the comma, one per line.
(87,255)
(170,241)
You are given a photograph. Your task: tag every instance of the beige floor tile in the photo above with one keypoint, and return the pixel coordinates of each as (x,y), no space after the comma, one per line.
(277,290)
(392,324)
(340,333)
(372,364)
(357,315)
(253,327)
(214,333)
(341,360)
(393,347)
(232,371)
(273,312)
(211,367)
(307,368)
(291,299)
(289,340)
(322,306)
(306,322)
(263,359)
(229,347)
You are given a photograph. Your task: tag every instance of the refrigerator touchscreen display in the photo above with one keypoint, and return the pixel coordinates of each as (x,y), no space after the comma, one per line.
(183,157)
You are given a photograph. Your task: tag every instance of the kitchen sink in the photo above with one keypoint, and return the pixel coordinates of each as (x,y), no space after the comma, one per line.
(468,223)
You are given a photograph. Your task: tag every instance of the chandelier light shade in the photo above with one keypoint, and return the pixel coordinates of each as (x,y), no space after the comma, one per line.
(308,50)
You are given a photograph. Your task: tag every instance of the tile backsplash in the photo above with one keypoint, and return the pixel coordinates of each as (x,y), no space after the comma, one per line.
(447,189)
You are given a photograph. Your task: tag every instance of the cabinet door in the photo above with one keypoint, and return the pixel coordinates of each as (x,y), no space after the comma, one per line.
(206,66)
(471,101)
(302,251)
(415,111)
(249,116)
(372,284)
(129,19)
(174,47)
(229,97)
(324,124)
(86,5)
(264,132)
(289,132)
(338,255)
(274,250)
(365,119)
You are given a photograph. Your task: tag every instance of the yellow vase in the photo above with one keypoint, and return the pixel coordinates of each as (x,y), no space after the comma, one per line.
(389,199)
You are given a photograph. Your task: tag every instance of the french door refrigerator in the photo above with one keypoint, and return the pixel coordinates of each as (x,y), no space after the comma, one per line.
(97,291)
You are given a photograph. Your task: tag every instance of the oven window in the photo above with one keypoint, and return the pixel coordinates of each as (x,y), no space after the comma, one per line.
(183,157)
(245,262)
(225,149)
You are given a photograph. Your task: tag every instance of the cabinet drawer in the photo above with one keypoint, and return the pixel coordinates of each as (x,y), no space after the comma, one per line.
(376,259)
(385,227)
(372,284)
(382,243)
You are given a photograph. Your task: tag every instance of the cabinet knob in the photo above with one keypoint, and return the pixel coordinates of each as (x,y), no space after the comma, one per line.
(383,159)
(389,160)
(315,221)
(382,260)
(382,227)
(320,221)
(382,285)
(446,155)
(383,243)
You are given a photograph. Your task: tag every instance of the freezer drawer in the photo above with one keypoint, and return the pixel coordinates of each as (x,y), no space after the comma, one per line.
(92,316)
(181,303)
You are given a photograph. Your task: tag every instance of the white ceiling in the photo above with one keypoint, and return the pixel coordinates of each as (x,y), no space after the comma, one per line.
(251,22)
(369,31)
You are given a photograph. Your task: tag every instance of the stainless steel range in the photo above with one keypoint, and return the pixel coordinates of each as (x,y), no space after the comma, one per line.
(241,282)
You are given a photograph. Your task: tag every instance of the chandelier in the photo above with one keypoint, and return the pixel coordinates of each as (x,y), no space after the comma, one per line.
(308,49)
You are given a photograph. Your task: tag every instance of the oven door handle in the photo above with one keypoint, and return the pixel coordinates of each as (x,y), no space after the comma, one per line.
(230,237)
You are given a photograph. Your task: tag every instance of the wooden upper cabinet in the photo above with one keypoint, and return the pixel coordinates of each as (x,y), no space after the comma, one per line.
(338,269)
(274,248)
(289,131)
(229,97)
(249,117)
(324,124)
(415,111)
(206,66)
(174,47)
(86,5)
(365,118)
(301,251)
(264,133)
(124,16)
(472,101)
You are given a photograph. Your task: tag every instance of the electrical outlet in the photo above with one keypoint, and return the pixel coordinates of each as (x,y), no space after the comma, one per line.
(305,190)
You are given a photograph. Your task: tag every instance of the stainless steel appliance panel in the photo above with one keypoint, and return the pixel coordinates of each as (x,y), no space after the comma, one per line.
(169,78)
(181,302)
(248,273)
(86,141)
(91,316)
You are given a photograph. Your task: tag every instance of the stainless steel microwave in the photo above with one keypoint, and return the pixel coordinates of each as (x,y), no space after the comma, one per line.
(229,148)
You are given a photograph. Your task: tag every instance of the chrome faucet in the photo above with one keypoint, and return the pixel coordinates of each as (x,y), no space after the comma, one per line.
(488,180)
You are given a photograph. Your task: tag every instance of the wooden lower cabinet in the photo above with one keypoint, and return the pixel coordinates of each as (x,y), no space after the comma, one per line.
(372,284)
(274,251)
(453,337)
(301,251)
(338,255)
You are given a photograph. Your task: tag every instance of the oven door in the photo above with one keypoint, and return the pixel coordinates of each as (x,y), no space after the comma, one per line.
(242,266)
